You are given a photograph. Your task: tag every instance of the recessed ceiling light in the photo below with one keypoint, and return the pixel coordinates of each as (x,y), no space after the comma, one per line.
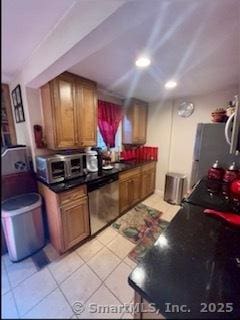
(170,84)
(143,62)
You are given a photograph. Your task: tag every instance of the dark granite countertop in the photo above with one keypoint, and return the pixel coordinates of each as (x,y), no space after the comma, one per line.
(195,261)
(90,177)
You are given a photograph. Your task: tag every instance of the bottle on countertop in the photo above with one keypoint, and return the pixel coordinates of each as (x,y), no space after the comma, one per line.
(215,172)
(231,173)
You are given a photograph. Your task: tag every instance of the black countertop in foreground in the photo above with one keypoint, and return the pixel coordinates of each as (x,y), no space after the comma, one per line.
(194,262)
(118,167)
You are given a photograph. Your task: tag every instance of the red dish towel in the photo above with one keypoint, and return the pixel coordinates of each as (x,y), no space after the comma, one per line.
(229,217)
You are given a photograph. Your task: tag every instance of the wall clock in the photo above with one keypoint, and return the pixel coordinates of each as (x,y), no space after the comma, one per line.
(185,109)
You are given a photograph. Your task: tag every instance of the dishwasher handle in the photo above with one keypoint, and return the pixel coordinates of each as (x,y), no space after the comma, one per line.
(100,184)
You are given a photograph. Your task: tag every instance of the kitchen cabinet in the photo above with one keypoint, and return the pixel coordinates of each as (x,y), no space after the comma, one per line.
(136,184)
(69,108)
(135,122)
(148,311)
(86,112)
(67,216)
(129,188)
(148,180)
(75,222)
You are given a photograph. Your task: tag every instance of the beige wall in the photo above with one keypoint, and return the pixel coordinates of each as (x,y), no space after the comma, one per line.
(175,136)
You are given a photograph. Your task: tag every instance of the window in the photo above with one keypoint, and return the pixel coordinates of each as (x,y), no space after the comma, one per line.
(118,139)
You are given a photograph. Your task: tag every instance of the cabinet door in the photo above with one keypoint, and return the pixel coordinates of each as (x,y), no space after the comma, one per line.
(64,112)
(152,175)
(124,195)
(135,189)
(86,113)
(135,123)
(75,222)
(148,182)
(145,184)
(142,123)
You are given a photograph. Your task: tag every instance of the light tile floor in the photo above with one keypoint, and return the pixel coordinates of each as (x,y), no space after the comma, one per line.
(95,273)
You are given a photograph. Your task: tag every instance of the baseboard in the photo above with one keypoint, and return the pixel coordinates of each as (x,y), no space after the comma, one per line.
(160,192)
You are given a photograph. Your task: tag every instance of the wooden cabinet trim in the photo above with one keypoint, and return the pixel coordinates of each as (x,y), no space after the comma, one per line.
(8,107)
(129,173)
(72,195)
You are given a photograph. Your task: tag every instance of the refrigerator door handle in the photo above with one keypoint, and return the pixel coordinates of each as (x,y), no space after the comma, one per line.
(228,128)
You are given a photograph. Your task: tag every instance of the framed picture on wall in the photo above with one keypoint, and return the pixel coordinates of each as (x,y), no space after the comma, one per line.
(17,103)
(16,114)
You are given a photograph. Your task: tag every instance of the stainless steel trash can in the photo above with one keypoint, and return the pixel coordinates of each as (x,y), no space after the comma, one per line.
(175,187)
(23,225)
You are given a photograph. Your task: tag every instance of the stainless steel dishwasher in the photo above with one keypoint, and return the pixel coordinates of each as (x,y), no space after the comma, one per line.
(103,195)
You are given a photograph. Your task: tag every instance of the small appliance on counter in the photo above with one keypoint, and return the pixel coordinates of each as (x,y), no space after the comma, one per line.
(59,167)
(92,161)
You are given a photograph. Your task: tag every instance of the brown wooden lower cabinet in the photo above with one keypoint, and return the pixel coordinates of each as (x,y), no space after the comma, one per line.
(144,310)
(75,222)
(148,182)
(136,184)
(67,216)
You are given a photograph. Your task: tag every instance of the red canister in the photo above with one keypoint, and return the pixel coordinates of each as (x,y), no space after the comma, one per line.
(231,173)
(215,172)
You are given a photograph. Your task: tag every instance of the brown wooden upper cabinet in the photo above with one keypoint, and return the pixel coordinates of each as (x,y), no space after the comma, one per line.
(70,112)
(135,122)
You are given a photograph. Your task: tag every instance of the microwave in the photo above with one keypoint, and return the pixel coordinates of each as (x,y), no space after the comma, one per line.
(57,168)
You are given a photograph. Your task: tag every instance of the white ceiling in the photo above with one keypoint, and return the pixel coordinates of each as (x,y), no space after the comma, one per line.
(195,42)
(24,25)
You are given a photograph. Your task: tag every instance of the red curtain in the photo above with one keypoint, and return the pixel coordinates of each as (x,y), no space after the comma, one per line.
(109,117)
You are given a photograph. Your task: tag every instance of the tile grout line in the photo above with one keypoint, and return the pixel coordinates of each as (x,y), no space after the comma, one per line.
(60,289)
(68,275)
(37,303)
(24,278)
(11,290)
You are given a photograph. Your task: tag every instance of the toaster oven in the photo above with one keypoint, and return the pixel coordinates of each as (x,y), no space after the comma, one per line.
(50,169)
(60,167)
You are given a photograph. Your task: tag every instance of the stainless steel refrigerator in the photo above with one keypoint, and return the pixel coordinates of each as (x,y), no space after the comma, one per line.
(210,145)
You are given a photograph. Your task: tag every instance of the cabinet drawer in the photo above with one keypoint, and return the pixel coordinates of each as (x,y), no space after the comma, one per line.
(72,195)
(148,166)
(130,173)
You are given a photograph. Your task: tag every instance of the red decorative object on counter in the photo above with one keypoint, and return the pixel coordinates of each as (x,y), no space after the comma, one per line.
(235,189)
(215,172)
(231,173)
(140,154)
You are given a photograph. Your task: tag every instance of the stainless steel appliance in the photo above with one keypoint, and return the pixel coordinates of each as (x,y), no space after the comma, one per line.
(103,201)
(175,187)
(14,159)
(23,225)
(74,165)
(210,145)
(58,167)
(232,129)
(50,169)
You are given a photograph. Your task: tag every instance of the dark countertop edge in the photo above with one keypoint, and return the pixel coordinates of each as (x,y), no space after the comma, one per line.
(129,166)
